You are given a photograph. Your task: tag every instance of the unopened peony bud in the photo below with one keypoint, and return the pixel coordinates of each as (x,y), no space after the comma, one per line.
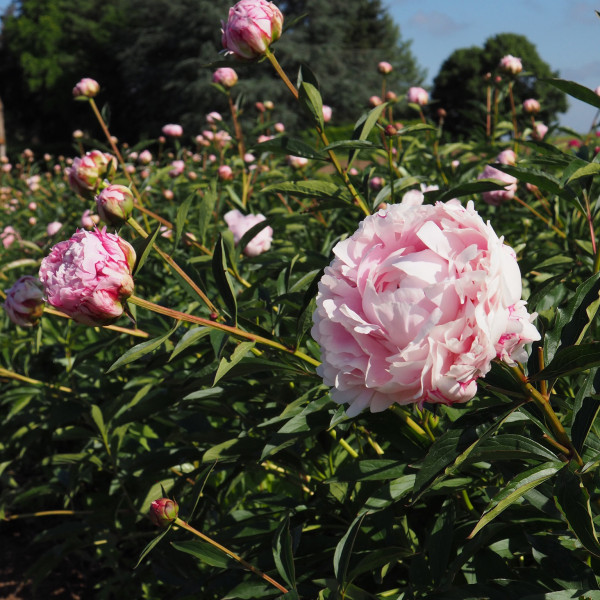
(531,106)
(87,88)
(24,302)
(417,95)
(88,220)
(225,173)
(88,277)
(507,157)
(384,67)
(177,168)
(280,127)
(87,173)
(539,131)
(163,511)
(145,157)
(225,76)
(496,197)
(172,130)
(269,105)
(511,64)
(297,162)
(77,134)
(114,204)
(375,101)
(441,113)
(327,112)
(252,26)
(376,183)
(391,96)
(53,228)
(390,130)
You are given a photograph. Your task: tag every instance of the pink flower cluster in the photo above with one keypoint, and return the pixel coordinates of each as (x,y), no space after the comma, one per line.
(239,224)
(415,306)
(88,277)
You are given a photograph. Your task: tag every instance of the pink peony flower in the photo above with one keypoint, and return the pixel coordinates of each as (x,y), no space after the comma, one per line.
(531,106)
(252,26)
(376,183)
(327,112)
(238,225)
(24,302)
(539,131)
(115,204)
(88,277)
(415,306)
(507,157)
(86,87)
(511,64)
(496,197)
(225,76)
(375,101)
(297,162)
(87,172)
(177,168)
(225,172)
(417,95)
(53,228)
(145,157)
(213,117)
(384,67)
(172,130)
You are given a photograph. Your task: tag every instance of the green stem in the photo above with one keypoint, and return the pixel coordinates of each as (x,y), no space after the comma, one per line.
(332,155)
(241,148)
(235,331)
(233,555)
(541,217)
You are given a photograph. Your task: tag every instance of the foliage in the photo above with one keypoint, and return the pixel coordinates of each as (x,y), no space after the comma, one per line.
(208,392)
(461,86)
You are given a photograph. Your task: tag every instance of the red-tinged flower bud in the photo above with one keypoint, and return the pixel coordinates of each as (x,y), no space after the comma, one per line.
(24,302)
(441,113)
(163,511)
(115,204)
(391,96)
(375,101)
(225,76)
(252,26)
(87,88)
(531,106)
(225,173)
(390,130)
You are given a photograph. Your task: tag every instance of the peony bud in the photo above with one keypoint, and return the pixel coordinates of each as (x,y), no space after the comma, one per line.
(88,277)
(327,111)
(269,105)
(225,173)
(539,131)
(507,157)
(225,76)
(496,197)
(53,228)
(297,162)
(511,64)
(417,95)
(24,302)
(531,106)
(239,224)
(87,88)
(163,511)
(114,204)
(172,130)
(145,157)
(252,26)
(178,166)
(87,172)
(88,220)
(384,67)
(280,127)
(375,101)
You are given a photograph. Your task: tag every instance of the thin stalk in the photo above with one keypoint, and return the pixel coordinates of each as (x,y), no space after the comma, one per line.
(514,113)
(488,116)
(233,555)
(235,331)
(241,148)
(11,375)
(404,416)
(332,155)
(539,216)
(344,444)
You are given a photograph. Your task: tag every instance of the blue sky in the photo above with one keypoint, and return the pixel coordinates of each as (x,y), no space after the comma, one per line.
(566,34)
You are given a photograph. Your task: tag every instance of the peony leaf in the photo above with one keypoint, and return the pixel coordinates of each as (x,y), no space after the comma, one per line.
(309,189)
(144,249)
(389,493)
(310,97)
(343,550)
(227,364)
(190,338)
(466,189)
(224,285)
(572,359)
(205,210)
(576,90)
(573,501)
(515,489)
(585,409)
(207,553)
(282,553)
(151,545)
(285,145)
(363,128)
(181,217)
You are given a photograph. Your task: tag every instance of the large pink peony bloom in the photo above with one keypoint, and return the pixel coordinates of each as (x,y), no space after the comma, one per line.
(24,302)
(89,276)
(415,306)
(252,26)
(239,224)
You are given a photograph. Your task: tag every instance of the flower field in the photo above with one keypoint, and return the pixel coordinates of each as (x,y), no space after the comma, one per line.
(358,361)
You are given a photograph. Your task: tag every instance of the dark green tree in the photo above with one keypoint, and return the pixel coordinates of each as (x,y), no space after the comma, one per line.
(460,87)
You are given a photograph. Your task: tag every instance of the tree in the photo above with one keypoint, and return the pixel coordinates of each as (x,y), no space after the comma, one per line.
(460,87)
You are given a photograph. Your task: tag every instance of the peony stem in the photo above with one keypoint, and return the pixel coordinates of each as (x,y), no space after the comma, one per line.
(403,414)
(233,555)
(18,377)
(541,217)
(235,331)
(344,444)
(332,155)
(241,149)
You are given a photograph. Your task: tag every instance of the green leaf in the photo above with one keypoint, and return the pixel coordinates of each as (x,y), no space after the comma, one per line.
(282,553)
(151,545)
(585,409)
(466,189)
(343,550)
(572,359)
(573,501)
(205,210)
(576,90)
(144,249)
(309,189)
(309,95)
(352,145)
(364,126)
(570,594)
(252,233)
(285,145)
(369,470)
(515,489)
(588,170)
(439,542)
(389,493)
(207,553)
(99,421)
(182,213)
(544,181)
(222,279)
(190,338)
(199,487)
(225,365)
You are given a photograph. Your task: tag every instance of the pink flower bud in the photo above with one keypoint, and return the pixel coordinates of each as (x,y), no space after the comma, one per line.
(225,76)
(32,221)
(252,26)
(384,67)
(77,134)
(225,173)
(172,130)
(86,87)
(163,511)
(269,105)
(531,106)
(32,206)
(280,127)
(260,107)
(167,195)
(391,96)
(597,91)
(88,277)
(6,168)
(238,224)
(53,228)
(417,95)
(507,157)
(539,131)
(511,64)
(114,204)
(249,157)
(327,111)
(376,183)
(88,220)
(297,162)
(145,157)
(496,197)
(375,101)
(178,166)
(213,117)
(24,302)
(87,172)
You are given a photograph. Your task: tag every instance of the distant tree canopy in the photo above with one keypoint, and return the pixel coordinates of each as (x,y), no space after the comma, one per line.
(150,58)
(460,87)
